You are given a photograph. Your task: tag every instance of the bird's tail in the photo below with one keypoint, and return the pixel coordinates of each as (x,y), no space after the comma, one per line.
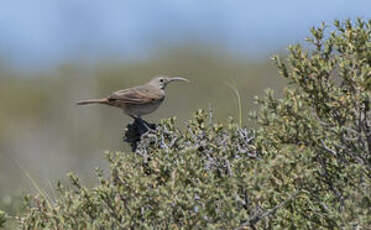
(93,101)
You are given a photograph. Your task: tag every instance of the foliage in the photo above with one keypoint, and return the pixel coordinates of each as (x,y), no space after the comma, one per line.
(2,218)
(324,117)
(305,166)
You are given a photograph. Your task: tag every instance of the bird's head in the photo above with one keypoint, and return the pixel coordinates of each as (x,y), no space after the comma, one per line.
(161,81)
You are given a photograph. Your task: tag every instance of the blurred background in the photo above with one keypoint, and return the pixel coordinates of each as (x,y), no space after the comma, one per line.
(56,52)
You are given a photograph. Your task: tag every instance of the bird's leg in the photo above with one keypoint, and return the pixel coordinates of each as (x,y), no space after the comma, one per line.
(143,123)
(148,126)
(134,117)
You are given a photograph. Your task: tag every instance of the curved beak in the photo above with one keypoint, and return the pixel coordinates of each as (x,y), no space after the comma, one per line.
(170,79)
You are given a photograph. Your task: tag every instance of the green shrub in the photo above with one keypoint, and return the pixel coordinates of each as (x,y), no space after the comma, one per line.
(2,218)
(305,166)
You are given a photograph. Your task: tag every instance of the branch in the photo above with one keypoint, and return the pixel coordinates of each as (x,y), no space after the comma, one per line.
(328,149)
(257,217)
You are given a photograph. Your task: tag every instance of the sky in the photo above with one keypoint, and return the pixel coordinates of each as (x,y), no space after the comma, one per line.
(43,33)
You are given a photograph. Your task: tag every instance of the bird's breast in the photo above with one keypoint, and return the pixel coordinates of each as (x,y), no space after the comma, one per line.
(142,109)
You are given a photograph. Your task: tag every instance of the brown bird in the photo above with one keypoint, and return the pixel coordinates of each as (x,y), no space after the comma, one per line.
(139,100)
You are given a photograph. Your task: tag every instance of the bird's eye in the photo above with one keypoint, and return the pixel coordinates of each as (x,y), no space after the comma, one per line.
(161,80)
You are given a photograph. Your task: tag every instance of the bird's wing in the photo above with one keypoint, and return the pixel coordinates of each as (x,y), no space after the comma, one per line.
(137,95)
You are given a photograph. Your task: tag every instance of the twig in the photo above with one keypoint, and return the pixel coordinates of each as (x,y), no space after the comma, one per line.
(328,149)
(257,217)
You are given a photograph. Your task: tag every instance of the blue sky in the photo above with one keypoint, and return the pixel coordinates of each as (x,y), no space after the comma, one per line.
(40,33)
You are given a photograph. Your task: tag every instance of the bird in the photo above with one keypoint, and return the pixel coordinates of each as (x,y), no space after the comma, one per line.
(139,100)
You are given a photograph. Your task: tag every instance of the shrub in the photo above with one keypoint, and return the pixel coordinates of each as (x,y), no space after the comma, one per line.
(2,218)
(305,166)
